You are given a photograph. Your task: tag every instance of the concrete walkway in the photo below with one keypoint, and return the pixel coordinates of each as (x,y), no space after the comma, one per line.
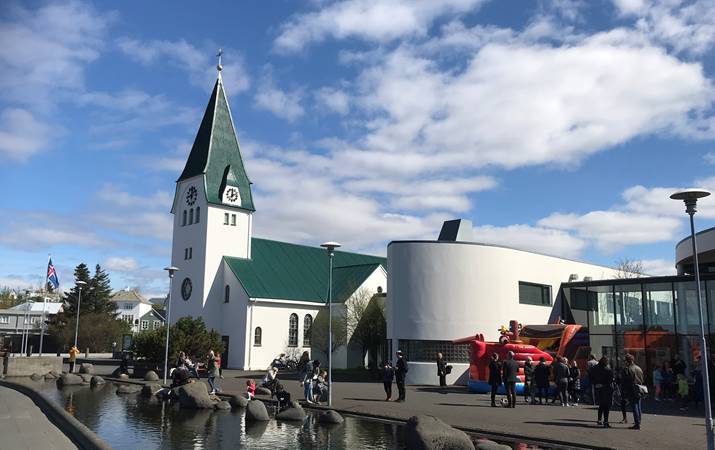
(24,426)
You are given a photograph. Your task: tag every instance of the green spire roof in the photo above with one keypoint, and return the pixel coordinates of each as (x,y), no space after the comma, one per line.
(216,154)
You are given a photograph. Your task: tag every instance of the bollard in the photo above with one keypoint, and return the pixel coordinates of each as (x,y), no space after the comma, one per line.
(86,353)
(29,351)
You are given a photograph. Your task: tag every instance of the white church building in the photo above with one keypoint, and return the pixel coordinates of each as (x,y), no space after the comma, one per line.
(262,296)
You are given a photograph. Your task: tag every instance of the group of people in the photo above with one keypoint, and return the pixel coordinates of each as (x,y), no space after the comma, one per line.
(391,373)
(313,378)
(629,380)
(185,369)
(672,381)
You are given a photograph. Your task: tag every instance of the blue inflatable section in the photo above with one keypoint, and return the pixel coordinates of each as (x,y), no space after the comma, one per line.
(482,387)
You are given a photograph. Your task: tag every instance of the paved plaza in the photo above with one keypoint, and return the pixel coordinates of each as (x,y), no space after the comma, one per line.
(24,426)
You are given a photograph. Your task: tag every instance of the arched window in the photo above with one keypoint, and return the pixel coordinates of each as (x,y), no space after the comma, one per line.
(183,221)
(257,335)
(293,330)
(227,294)
(191,216)
(198,214)
(307,325)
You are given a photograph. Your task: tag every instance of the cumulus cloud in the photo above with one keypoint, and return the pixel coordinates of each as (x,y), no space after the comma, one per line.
(22,134)
(30,231)
(658,267)
(371,20)
(334,100)
(121,263)
(537,239)
(283,104)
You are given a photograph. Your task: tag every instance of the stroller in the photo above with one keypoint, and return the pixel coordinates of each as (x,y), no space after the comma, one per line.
(278,391)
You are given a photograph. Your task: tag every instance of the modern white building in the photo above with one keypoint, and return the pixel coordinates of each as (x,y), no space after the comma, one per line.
(453,288)
(261,295)
(133,308)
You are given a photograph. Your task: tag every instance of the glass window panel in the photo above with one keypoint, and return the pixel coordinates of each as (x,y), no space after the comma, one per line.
(659,306)
(629,307)
(577,298)
(534,294)
(686,307)
(293,330)
(689,350)
(661,347)
(601,317)
(426,351)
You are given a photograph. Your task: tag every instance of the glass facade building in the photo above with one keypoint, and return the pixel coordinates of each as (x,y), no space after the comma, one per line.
(651,318)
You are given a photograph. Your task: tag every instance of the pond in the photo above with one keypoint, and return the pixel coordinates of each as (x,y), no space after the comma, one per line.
(134,422)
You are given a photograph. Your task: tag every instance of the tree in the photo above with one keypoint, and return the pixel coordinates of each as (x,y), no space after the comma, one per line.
(187,334)
(319,330)
(97,331)
(96,295)
(8,298)
(366,324)
(629,268)
(81,273)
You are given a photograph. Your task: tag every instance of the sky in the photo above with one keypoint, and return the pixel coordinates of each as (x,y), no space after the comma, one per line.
(555,126)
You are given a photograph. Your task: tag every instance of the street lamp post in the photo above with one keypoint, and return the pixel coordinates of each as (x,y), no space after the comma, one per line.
(79,303)
(330,247)
(172,270)
(690,197)
(24,323)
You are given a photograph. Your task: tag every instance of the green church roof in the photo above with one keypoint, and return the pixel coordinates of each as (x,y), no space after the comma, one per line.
(283,271)
(216,153)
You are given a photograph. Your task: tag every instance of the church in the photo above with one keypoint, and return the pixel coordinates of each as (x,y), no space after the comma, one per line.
(262,296)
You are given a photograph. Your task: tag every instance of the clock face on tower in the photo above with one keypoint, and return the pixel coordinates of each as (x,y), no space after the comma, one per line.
(186,289)
(191,195)
(232,195)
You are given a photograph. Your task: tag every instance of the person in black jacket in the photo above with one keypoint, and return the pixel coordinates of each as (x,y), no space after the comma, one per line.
(561,377)
(510,370)
(602,378)
(441,370)
(529,388)
(400,373)
(541,379)
(494,376)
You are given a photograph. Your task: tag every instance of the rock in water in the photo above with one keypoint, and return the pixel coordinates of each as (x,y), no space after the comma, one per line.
(86,377)
(223,404)
(50,376)
(36,377)
(486,444)
(123,376)
(151,376)
(149,390)
(330,416)
(96,380)
(195,396)
(55,373)
(69,379)
(292,414)
(238,401)
(429,433)
(86,368)
(256,412)
(260,390)
(128,389)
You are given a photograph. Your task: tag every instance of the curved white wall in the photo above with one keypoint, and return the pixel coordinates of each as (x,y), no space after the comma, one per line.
(684,248)
(440,290)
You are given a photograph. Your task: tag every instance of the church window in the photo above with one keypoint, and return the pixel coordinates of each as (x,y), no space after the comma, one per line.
(186,254)
(227,294)
(257,335)
(307,325)
(183,221)
(191,252)
(198,214)
(191,216)
(293,330)
(233,220)
(225,219)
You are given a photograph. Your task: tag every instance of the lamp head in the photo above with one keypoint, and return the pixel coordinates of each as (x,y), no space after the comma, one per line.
(172,270)
(690,197)
(81,284)
(330,246)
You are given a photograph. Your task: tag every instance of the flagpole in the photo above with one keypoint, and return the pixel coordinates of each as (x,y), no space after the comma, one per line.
(44,306)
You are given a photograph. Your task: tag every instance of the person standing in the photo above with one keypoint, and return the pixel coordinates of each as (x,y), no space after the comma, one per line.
(388,374)
(561,377)
(574,382)
(212,368)
(441,370)
(678,366)
(658,383)
(400,374)
(73,357)
(541,379)
(632,382)
(495,377)
(510,370)
(601,376)
(306,378)
(589,365)
(529,390)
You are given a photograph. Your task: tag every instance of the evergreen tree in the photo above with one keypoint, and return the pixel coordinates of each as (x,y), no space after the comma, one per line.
(99,296)
(81,273)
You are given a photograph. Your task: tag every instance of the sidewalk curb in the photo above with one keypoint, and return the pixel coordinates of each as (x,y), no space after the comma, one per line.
(75,430)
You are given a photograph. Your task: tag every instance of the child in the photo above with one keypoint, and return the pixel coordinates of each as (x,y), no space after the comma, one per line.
(321,386)
(682,383)
(250,389)
(657,382)
(388,375)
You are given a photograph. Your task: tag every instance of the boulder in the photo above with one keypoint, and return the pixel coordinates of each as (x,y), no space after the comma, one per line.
(256,412)
(123,376)
(128,389)
(260,390)
(150,390)
(69,379)
(238,401)
(195,396)
(429,433)
(223,404)
(86,368)
(86,377)
(292,414)
(486,444)
(55,374)
(50,376)
(151,376)
(36,377)
(96,380)
(331,416)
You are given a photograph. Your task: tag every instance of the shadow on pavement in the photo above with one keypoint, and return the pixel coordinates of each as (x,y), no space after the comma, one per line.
(568,424)
(445,390)
(381,400)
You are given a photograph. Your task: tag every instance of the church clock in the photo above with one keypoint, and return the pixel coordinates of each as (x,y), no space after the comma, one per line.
(191,195)
(186,289)
(232,195)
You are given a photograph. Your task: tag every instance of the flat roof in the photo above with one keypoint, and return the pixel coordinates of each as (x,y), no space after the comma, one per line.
(638,280)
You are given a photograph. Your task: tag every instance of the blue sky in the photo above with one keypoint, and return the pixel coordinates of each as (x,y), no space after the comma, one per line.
(556,126)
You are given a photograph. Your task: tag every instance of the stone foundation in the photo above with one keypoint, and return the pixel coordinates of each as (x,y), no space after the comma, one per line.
(22,366)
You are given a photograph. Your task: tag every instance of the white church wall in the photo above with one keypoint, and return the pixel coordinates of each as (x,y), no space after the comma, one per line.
(232,317)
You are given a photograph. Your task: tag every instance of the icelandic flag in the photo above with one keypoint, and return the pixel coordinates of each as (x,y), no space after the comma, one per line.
(52,275)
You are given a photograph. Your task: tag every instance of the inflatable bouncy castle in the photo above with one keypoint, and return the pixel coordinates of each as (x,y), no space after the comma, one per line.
(533,341)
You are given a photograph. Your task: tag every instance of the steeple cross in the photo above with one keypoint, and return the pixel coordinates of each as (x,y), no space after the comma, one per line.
(218,55)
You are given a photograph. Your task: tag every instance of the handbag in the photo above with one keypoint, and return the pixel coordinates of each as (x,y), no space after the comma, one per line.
(448,370)
(641,390)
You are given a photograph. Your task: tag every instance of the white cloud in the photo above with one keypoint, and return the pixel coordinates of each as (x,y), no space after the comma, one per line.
(22,134)
(658,267)
(332,99)
(656,200)
(372,20)
(536,239)
(113,195)
(121,263)
(283,104)
(199,63)
(44,230)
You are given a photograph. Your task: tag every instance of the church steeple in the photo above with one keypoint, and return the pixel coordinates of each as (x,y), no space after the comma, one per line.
(216,154)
